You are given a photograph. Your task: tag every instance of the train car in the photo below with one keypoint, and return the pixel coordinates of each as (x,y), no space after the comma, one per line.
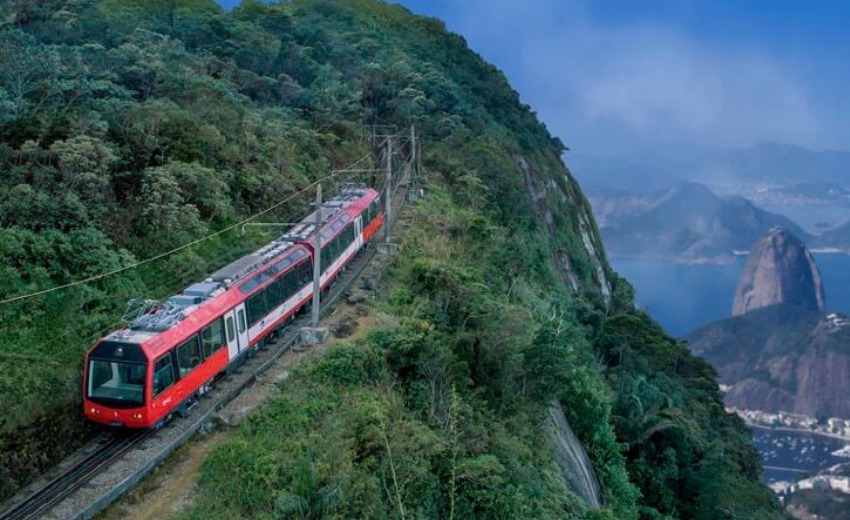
(168,356)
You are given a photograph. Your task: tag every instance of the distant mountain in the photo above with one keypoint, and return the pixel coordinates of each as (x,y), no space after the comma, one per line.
(781,358)
(779,269)
(837,238)
(688,222)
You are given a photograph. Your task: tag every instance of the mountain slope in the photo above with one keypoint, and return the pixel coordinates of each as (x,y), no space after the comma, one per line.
(149,124)
(838,238)
(687,222)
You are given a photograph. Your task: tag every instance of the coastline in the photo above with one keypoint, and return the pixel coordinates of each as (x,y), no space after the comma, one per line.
(796,430)
(720,260)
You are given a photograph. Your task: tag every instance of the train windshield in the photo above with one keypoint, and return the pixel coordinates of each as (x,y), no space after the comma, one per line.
(116,375)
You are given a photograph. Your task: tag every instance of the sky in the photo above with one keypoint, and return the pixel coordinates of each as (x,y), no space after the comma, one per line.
(614,77)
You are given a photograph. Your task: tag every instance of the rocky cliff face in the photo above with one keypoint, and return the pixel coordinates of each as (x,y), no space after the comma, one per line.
(572,458)
(779,269)
(781,358)
(559,202)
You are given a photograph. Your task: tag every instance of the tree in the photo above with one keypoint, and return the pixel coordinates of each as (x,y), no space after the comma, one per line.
(166,219)
(85,165)
(27,72)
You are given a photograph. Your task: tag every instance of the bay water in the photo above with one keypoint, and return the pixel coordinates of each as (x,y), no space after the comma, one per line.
(788,456)
(683,297)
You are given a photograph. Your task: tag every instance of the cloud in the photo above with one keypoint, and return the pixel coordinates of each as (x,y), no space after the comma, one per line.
(599,84)
(662,85)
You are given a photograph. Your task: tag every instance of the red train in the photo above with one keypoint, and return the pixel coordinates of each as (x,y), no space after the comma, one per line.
(137,377)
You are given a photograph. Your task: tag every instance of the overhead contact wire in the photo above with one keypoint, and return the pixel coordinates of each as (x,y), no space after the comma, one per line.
(176,249)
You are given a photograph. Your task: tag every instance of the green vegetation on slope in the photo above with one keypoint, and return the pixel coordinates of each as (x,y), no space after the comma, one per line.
(450,403)
(130,127)
(440,415)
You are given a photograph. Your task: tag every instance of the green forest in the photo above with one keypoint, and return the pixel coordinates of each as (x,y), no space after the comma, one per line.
(130,128)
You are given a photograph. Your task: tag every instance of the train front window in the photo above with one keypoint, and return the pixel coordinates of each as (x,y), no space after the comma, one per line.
(116,384)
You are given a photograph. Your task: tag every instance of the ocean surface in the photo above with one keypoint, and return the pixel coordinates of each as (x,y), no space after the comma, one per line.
(684,297)
(791,456)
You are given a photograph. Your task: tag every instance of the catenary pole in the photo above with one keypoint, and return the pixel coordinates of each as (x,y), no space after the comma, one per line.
(317,258)
(413,150)
(389,190)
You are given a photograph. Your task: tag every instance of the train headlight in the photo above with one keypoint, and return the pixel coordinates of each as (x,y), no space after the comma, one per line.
(137,416)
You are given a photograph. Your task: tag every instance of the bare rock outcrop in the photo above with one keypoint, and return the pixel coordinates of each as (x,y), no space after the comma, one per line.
(779,269)
(781,358)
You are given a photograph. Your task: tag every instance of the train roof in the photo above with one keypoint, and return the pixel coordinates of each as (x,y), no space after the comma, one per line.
(334,213)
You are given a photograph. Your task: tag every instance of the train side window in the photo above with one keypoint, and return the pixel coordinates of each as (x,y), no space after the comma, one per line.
(306,270)
(206,342)
(188,355)
(289,283)
(276,294)
(219,340)
(257,307)
(231,333)
(292,284)
(297,278)
(347,238)
(334,250)
(241,316)
(212,337)
(163,375)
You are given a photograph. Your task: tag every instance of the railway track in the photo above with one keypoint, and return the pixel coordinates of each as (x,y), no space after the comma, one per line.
(113,445)
(105,449)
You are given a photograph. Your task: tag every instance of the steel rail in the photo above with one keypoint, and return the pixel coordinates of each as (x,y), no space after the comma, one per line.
(119,443)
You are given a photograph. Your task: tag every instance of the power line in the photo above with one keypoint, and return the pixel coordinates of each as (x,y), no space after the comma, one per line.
(183,275)
(176,249)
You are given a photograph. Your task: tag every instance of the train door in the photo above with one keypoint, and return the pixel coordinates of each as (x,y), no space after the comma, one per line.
(241,327)
(232,338)
(358,232)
